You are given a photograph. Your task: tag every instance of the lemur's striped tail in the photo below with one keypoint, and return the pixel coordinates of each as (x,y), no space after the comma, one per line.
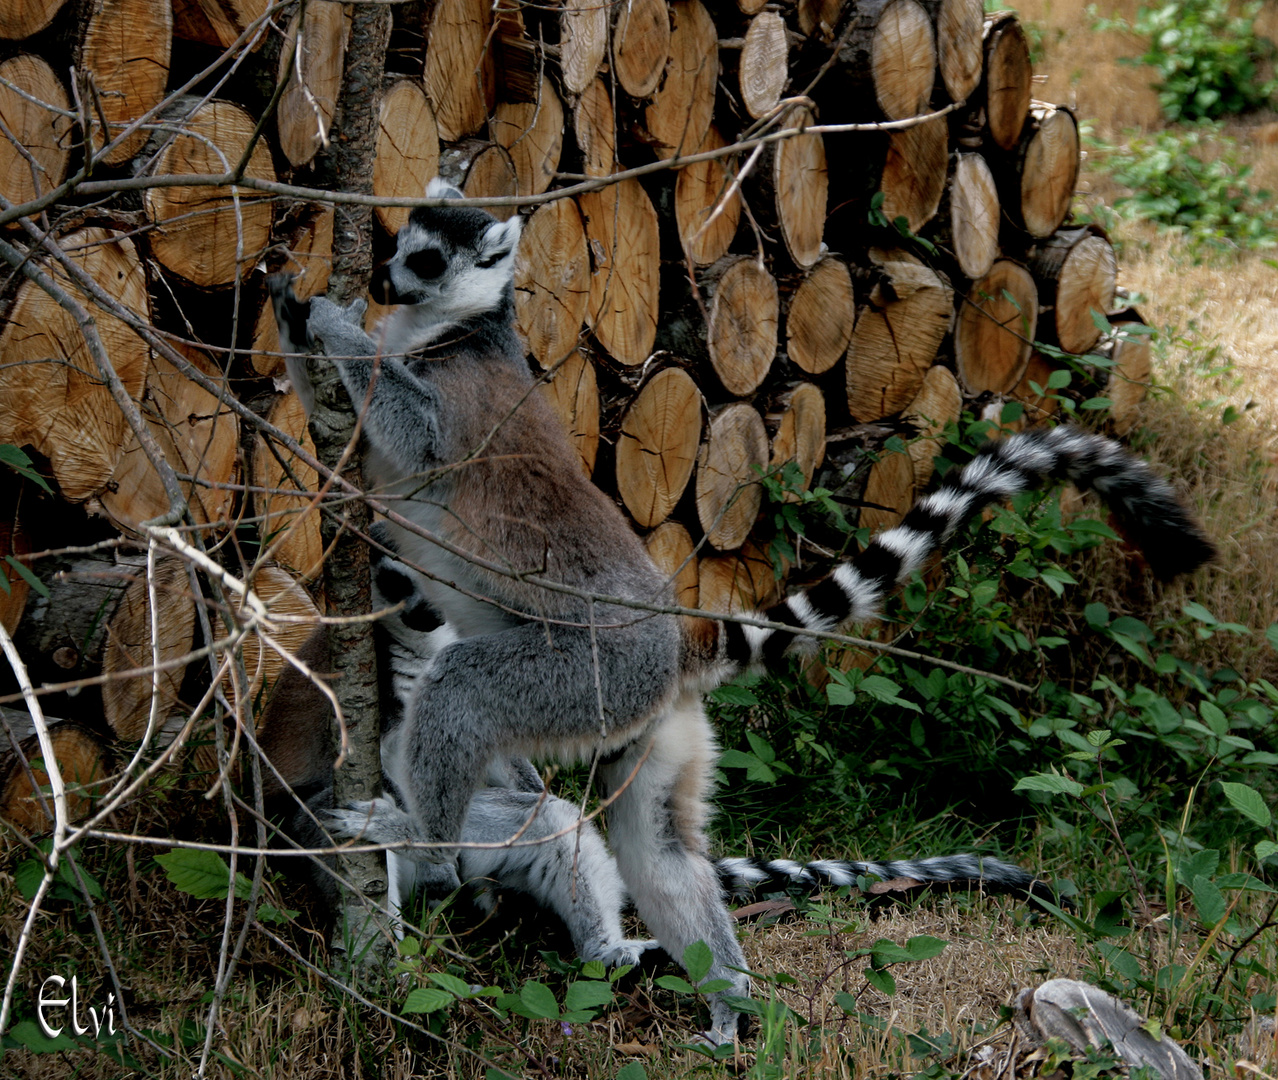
(742,876)
(1146,509)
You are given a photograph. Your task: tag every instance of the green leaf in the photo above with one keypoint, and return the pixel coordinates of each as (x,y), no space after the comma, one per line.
(1266,849)
(1052,783)
(1197,611)
(23,571)
(837,693)
(846,1002)
(455,986)
(587,994)
(1097,616)
(410,946)
(697,960)
(594,969)
(734,695)
(633,1071)
(1059,379)
(1271,635)
(673,982)
(427,999)
(924,947)
(1248,802)
(539,1000)
(882,981)
(1209,901)
(28,1033)
(201,874)
(761,747)
(27,875)
(889,952)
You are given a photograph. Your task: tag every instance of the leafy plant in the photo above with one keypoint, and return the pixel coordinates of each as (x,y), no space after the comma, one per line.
(1208,58)
(1178,184)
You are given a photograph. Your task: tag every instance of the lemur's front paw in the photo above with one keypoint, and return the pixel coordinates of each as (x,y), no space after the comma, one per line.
(291,314)
(631,951)
(375,822)
(324,311)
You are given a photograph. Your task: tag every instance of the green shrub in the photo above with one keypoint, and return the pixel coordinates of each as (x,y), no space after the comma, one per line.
(1208,58)
(1176,185)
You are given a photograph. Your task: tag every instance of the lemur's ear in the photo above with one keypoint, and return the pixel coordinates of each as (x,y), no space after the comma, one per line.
(439,188)
(499,240)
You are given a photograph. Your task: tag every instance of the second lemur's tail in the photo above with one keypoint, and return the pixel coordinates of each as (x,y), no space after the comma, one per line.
(1144,504)
(742,876)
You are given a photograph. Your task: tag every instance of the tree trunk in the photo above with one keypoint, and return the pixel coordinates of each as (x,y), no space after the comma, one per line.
(197,231)
(40,129)
(407,150)
(995,329)
(896,337)
(1130,377)
(552,281)
(492,175)
(1076,271)
(1008,78)
(621,230)
(728,468)
(821,316)
(51,397)
(657,446)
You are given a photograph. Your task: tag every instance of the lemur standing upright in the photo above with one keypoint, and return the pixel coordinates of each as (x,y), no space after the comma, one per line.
(541,569)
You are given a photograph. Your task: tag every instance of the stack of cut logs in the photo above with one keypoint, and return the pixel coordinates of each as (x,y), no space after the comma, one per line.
(696,326)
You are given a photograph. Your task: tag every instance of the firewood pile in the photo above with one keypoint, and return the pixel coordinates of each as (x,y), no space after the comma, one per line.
(782,227)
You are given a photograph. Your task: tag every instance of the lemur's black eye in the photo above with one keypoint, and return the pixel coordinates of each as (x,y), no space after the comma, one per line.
(426,264)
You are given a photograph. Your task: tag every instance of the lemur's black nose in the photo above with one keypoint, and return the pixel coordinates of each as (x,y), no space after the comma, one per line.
(381,287)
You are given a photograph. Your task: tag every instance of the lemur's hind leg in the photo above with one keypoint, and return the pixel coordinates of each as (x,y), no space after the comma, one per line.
(527,690)
(559,860)
(656,827)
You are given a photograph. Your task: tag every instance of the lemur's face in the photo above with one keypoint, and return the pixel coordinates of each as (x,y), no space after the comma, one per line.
(453,262)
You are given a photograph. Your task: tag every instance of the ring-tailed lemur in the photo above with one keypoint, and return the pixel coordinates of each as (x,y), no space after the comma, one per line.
(557,859)
(463,449)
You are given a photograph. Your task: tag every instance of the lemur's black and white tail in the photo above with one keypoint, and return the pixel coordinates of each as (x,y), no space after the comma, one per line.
(742,876)
(1144,505)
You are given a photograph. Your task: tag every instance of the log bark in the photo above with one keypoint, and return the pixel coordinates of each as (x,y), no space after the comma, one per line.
(40,129)
(995,330)
(82,759)
(574,395)
(216,23)
(595,129)
(938,404)
(729,465)
(792,184)
(200,438)
(1076,272)
(796,418)
(657,446)
(888,50)
(764,69)
(971,216)
(309,241)
(583,42)
(304,113)
(683,106)
(50,395)
(21,18)
(1130,377)
(821,317)
(552,281)
(533,134)
(1008,79)
(1038,183)
(889,492)
(896,337)
(672,550)
(62,636)
(407,150)
(126,700)
(640,45)
(197,231)
(621,230)
(914,173)
(459,69)
(286,523)
(492,175)
(960,27)
(700,188)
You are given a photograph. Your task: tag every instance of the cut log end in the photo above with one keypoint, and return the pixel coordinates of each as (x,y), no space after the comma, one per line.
(657,448)
(903,59)
(621,230)
(41,126)
(552,281)
(1049,172)
(728,468)
(574,395)
(407,150)
(821,318)
(995,329)
(742,332)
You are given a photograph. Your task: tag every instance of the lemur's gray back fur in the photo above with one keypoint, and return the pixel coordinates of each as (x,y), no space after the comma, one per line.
(459,444)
